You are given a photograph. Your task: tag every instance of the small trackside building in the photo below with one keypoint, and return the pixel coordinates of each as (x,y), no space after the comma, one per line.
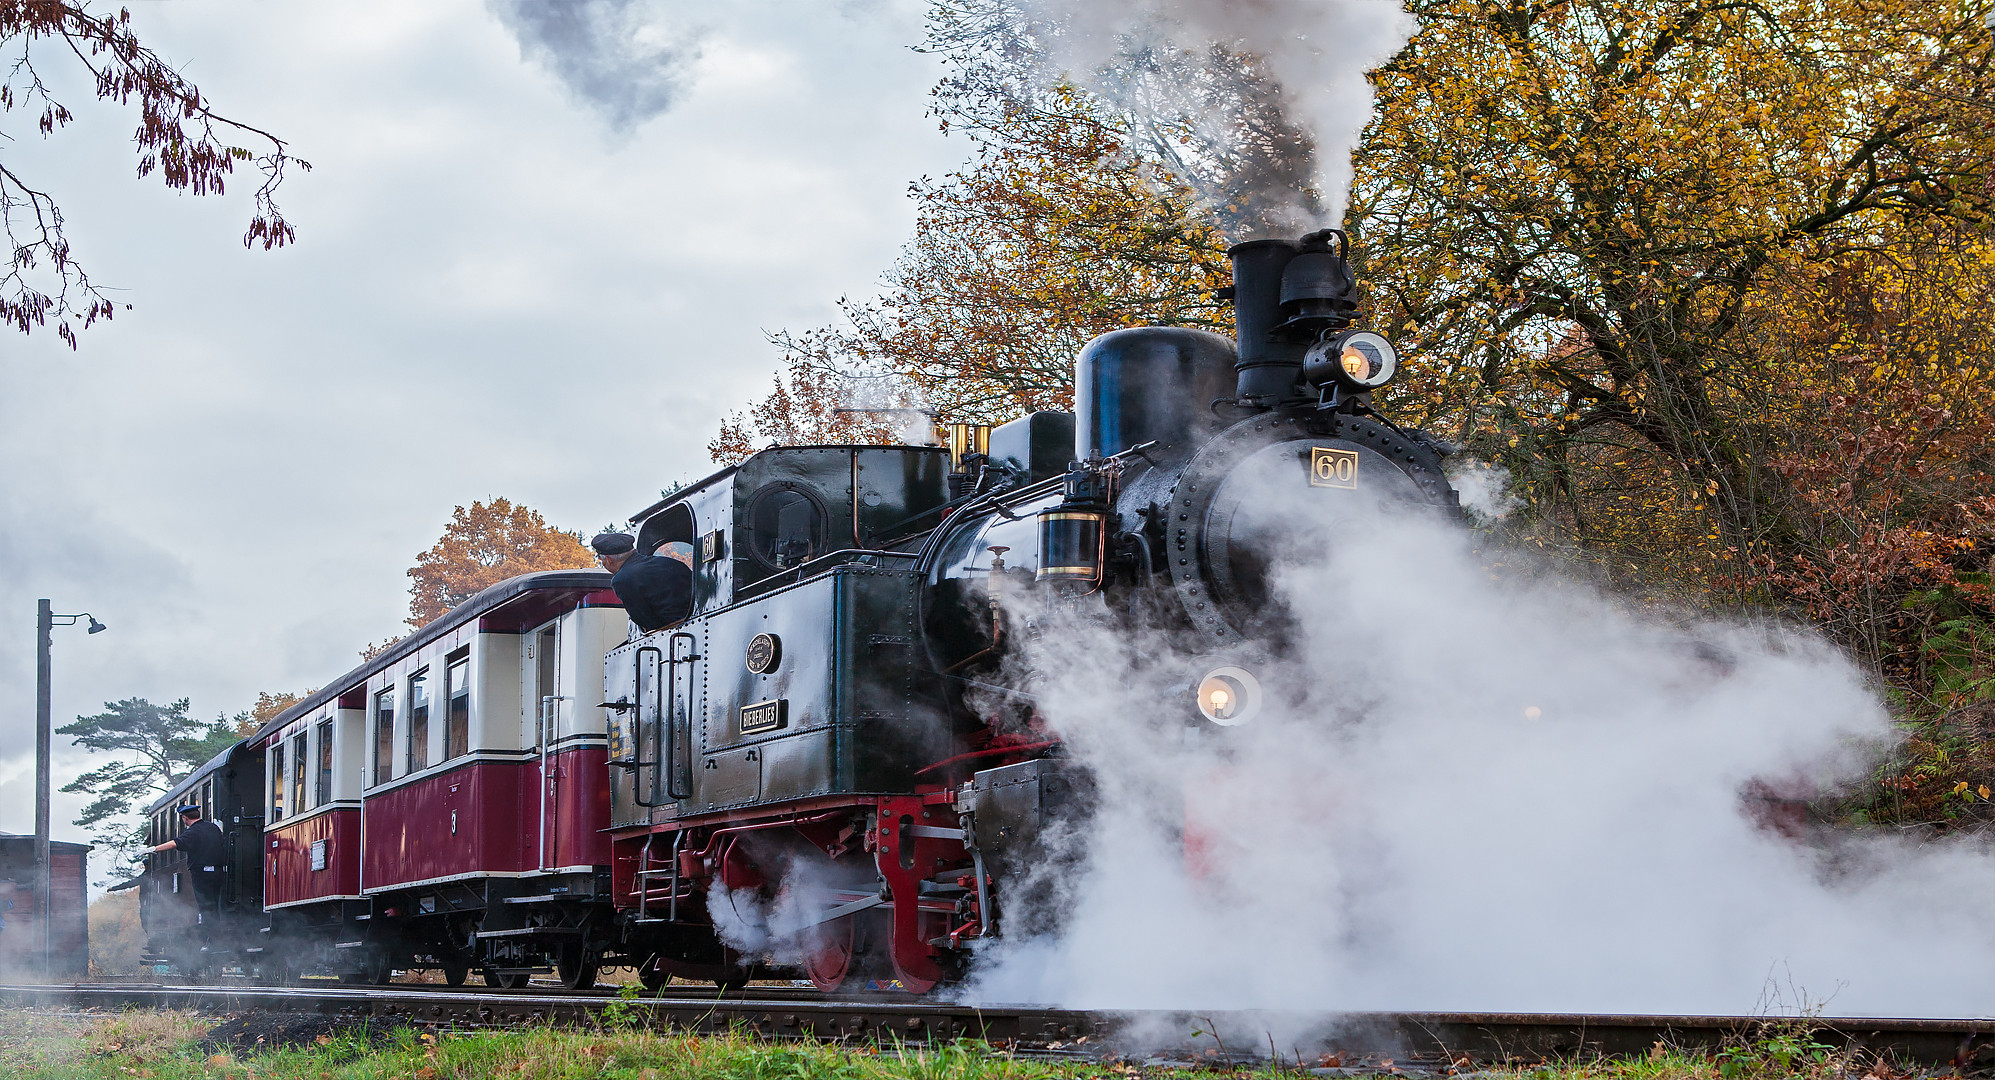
(443,805)
(20,909)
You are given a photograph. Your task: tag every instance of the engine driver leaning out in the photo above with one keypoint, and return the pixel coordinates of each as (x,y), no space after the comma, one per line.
(656,589)
(206,848)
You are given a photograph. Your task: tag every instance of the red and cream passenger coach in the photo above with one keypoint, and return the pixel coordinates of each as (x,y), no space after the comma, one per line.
(441,805)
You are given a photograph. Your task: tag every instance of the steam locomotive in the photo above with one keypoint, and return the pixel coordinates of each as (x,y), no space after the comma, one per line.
(835,742)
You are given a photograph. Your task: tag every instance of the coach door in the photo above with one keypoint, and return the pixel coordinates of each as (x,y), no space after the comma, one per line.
(539,727)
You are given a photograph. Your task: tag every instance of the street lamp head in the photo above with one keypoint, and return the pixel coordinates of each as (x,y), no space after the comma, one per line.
(95,626)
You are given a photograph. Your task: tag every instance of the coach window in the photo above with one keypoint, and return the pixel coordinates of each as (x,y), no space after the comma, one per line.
(384,736)
(323,792)
(300,758)
(208,800)
(277,780)
(419,721)
(457,700)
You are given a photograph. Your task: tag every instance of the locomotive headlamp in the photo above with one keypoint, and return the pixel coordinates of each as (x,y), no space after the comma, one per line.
(1229,696)
(1359,361)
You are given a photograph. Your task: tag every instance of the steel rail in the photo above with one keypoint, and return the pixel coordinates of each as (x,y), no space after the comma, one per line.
(1409,1039)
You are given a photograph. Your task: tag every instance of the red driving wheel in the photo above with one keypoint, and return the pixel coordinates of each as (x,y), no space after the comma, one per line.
(828,961)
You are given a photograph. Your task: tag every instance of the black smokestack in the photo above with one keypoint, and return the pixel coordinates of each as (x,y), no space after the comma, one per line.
(1268,369)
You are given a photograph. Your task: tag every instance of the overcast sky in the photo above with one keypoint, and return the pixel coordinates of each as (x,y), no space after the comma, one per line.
(515,276)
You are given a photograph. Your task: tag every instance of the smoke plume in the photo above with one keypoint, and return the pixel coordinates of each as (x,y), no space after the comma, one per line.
(1477,786)
(627,59)
(1257,104)
(1254,102)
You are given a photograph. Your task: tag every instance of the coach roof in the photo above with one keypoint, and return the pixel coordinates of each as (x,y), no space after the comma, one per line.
(485,603)
(192,780)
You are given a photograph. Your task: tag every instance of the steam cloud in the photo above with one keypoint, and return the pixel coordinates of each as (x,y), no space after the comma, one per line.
(625,58)
(1476,786)
(1485,492)
(784,928)
(1294,118)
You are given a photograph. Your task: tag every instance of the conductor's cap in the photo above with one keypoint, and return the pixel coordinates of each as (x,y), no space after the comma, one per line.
(194,810)
(614,543)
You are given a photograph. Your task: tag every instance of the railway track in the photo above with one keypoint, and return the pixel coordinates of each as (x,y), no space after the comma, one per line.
(1355,1039)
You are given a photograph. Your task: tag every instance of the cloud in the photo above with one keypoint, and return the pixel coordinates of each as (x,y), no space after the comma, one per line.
(630,60)
(485,300)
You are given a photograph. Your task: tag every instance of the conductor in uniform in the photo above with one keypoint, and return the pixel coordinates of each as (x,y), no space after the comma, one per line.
(206,849)
(656,588)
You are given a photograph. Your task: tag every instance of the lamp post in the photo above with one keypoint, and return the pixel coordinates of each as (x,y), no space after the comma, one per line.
(46,620)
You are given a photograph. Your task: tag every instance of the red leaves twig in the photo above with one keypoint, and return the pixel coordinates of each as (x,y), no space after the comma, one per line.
(179,137)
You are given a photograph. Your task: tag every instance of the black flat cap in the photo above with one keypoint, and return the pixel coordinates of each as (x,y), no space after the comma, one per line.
(614,543)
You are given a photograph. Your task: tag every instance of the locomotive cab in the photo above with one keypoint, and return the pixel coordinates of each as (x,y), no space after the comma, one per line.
(790,685)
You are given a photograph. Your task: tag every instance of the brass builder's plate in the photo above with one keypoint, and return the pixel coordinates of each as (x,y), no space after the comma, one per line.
(1333,468)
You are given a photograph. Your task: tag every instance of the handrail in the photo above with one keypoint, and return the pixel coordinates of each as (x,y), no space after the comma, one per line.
(989,751)
(673,751)
(796,574)
(849,554)
(931,547)
(678,841)
(992,687)
(545,722)
(641,884)
(639,793)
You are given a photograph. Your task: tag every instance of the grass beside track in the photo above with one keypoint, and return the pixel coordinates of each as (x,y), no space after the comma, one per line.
(49,1044)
